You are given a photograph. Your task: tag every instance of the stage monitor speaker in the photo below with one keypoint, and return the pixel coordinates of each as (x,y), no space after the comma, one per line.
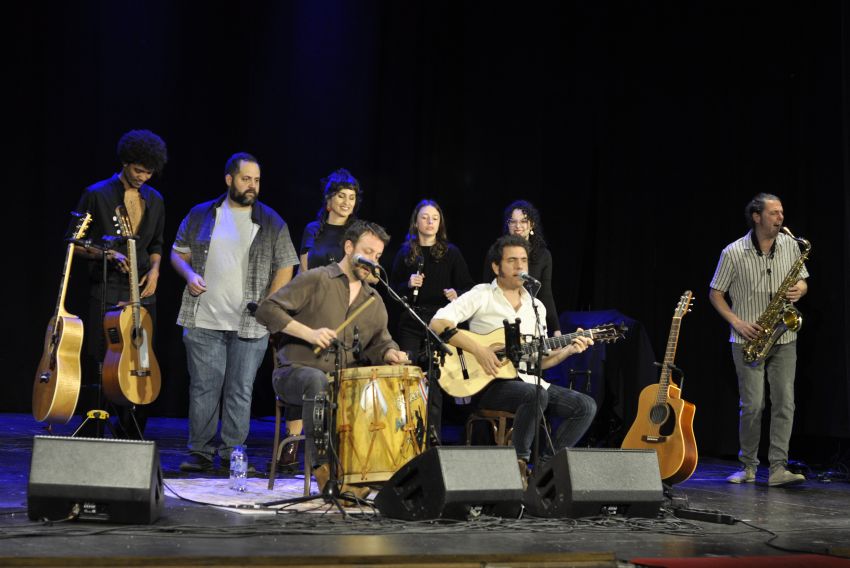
(446,482)
(118,481)
(589,482)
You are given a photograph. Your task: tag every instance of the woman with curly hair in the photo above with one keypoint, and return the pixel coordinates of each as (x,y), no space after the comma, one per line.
(430,272)
(321,243)
(523,219)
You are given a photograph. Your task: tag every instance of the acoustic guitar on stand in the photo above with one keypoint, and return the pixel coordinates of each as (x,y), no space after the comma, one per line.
(130,369)
(665,422)
(57,379)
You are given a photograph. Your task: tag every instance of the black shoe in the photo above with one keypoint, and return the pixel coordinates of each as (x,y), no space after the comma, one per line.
(196,463)
(288,458)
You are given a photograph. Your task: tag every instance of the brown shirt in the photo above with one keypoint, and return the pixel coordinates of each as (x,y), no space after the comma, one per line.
(319,298)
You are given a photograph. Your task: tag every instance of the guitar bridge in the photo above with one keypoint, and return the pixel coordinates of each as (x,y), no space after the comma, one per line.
(463,368)
(114,335)
(44,377)
(654,439)
(144,373)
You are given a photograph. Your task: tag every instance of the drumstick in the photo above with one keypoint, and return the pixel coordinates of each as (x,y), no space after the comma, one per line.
(347,321)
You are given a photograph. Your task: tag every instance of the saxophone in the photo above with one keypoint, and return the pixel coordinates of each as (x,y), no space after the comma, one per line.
(780,315)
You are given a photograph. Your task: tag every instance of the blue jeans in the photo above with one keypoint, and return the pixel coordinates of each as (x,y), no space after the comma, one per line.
(576,409)
(298,386)
(222,368)
(779,367)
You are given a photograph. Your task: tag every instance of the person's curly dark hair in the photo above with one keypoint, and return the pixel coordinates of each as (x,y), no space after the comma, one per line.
(536,239)
(331,185)
(494,253)
(143,147)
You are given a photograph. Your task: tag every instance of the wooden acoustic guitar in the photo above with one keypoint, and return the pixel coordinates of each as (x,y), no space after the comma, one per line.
(57,379)
(665,422)
(462,376)
(130,369)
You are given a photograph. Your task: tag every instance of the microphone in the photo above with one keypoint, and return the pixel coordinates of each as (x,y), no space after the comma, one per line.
(526,277)
(420,263)
(373,267)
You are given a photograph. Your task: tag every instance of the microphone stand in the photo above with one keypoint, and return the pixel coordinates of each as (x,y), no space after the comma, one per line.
(538,343)
(433,341)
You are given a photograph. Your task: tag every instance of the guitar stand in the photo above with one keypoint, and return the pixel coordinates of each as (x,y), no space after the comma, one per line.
(673,368)
(131,411)
(101,417)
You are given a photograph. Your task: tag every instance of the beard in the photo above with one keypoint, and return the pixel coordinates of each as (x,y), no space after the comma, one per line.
(245,198)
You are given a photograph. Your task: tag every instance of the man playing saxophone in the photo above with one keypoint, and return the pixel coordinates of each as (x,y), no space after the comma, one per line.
(752,270)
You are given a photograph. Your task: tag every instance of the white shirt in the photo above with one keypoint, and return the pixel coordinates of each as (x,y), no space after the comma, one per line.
(220,307)
(486,307)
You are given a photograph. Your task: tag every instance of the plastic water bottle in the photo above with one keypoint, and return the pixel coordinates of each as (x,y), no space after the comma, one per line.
(238,469)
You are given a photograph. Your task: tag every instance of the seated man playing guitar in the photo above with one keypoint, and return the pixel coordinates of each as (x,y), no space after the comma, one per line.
(485,307)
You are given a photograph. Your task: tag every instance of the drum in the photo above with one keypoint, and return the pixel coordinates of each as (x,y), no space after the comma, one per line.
(381,419)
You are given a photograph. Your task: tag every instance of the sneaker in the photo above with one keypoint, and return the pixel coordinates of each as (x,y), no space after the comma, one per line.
(746,475)
(781,477)
(196,463)
(523,473)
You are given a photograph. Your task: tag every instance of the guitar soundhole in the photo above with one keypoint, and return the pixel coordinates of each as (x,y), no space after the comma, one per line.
(659,413)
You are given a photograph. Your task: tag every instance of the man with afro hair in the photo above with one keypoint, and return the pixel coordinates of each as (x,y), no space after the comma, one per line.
(141,154)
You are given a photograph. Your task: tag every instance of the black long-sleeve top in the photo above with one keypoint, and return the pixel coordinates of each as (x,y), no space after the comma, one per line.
(450,271)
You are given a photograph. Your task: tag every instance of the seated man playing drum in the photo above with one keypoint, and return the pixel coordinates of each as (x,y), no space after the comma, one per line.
(310,309)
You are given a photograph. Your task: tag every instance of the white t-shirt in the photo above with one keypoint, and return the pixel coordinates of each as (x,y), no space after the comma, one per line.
(220,307)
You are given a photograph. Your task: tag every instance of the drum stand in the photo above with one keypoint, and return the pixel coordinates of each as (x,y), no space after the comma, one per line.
(433,342)
(331,493)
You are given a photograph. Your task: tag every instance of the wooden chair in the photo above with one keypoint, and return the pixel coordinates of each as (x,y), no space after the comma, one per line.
(500,421)
(280,444)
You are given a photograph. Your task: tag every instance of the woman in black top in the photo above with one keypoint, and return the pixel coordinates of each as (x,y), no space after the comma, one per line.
(321,243)
(523,219)
(430,272)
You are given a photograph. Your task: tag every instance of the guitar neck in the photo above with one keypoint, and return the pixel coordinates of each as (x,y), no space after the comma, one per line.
(563,340)
(669,356)
(63,284)
(135,299)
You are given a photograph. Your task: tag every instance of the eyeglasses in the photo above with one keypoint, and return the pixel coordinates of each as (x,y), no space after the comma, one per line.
(517,222)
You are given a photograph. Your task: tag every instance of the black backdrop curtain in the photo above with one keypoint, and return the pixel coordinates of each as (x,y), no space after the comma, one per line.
(639,129)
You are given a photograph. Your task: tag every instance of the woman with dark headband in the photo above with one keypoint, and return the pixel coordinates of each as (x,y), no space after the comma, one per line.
(320,244)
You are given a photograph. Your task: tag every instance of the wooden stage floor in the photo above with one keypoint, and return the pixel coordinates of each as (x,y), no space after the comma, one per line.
(813,517)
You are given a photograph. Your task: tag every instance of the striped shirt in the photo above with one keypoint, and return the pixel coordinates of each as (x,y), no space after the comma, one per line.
(752,278)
